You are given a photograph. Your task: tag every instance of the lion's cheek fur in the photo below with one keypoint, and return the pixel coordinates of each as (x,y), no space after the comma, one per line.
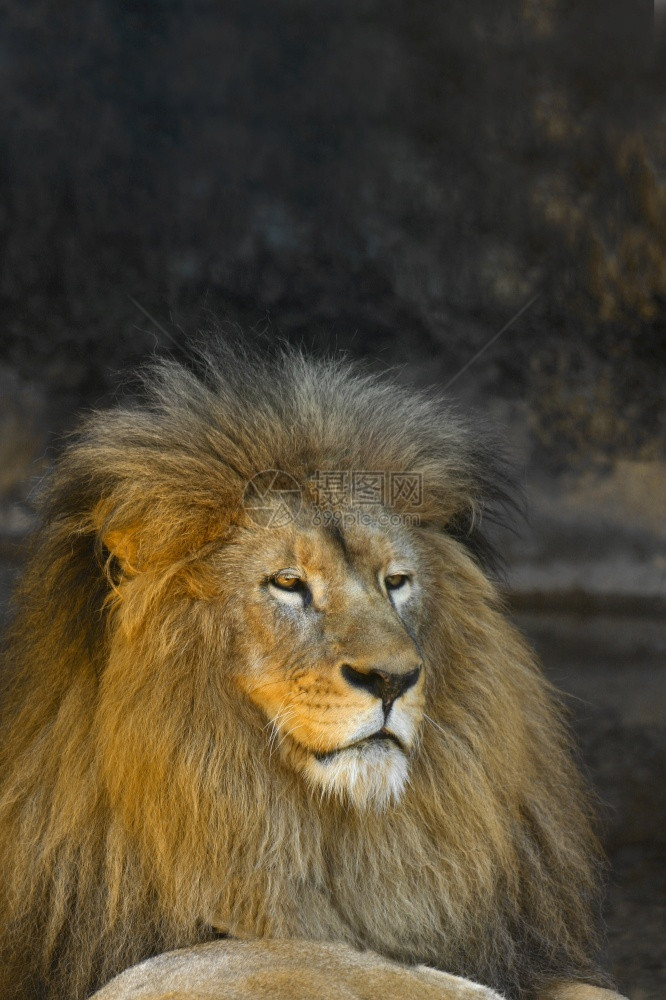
(165,782)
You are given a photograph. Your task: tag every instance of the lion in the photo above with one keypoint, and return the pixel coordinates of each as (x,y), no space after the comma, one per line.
(261,696)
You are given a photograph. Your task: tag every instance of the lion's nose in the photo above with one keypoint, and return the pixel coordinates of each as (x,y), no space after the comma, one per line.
(382,684)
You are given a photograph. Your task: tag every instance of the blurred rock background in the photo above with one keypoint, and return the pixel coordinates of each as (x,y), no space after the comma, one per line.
(402,181)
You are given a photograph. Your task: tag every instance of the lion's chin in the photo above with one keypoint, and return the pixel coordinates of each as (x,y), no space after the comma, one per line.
(368,775)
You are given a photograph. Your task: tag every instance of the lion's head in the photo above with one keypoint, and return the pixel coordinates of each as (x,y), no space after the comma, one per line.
(259,680)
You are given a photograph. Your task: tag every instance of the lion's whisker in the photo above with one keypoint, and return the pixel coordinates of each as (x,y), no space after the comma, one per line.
(280,719)
(435,724)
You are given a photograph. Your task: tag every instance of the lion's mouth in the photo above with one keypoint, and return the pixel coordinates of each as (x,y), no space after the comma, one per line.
(381,736)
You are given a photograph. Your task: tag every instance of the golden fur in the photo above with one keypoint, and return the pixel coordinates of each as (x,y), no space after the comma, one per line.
(175,739)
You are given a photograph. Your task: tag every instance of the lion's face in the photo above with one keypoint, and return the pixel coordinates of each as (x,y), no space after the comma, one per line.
(326,647)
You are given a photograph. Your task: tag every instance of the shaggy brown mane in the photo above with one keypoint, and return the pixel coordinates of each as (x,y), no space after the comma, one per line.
(136,790)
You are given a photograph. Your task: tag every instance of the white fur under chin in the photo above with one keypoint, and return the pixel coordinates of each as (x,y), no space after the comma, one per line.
(372,775)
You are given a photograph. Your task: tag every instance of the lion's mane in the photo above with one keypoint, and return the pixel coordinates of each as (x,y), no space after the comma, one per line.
(133,801)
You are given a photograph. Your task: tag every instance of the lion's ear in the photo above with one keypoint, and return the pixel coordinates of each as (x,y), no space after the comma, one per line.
(121,544)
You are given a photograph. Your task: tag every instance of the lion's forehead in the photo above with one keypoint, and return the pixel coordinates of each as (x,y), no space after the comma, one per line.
(333,554)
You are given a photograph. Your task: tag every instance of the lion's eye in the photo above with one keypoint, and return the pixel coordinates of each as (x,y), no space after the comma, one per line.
(395,581)
(287,581)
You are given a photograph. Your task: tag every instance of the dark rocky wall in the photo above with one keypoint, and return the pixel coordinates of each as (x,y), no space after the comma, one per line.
(399,180)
